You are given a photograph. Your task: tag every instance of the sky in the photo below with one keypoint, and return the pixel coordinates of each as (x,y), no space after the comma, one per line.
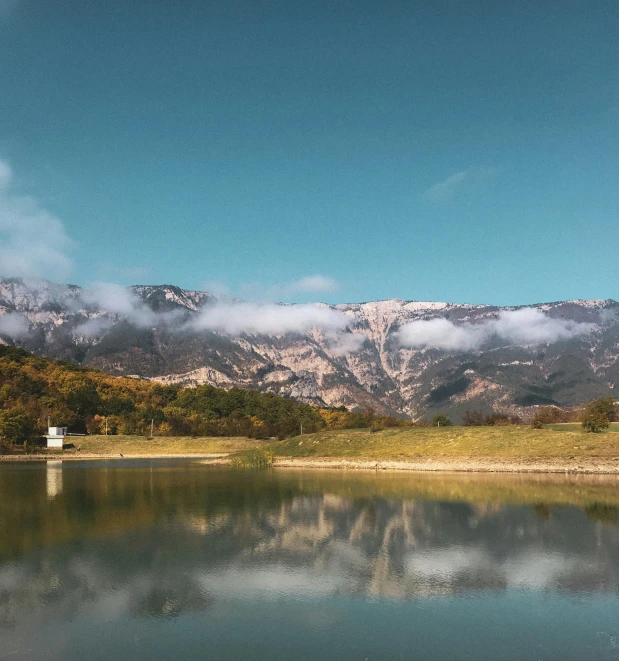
(300,151)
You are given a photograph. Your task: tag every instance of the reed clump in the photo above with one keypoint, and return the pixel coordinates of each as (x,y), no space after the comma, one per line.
(252,459)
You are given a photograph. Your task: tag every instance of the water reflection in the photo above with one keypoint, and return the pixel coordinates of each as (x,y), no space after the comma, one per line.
(53,473)
(124,542)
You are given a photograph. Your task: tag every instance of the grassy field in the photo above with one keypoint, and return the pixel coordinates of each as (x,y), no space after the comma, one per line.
(412,444)
(134,445)
(456,443)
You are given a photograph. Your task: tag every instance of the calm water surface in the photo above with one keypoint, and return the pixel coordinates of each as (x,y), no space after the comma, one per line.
(175,560)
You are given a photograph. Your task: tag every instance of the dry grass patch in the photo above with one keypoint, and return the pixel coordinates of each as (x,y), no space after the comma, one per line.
(417,444)
(163,445)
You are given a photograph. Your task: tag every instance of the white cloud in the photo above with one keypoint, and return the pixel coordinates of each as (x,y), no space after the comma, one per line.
(235,318)
(343,344)
(311,284)
(532,326)
(441,334)
(459,182)
(94,327)
(314,284)
(33,242)
(114,299)
(528,326)
(14,325)
(216,287)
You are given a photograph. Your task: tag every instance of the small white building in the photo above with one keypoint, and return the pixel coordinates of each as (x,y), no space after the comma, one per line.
(55,437)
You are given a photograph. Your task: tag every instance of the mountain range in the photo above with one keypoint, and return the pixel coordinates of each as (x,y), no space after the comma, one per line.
(408,358)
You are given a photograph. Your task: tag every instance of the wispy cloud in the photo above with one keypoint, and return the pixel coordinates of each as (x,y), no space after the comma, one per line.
(33,242)
(314,284)
(14,325)
(311,284)
(527,326)
(457,183)
(122,303)
(342,343)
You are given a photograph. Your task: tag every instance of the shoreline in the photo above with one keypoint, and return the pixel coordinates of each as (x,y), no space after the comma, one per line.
(461,466)
(579,467)
(209,456)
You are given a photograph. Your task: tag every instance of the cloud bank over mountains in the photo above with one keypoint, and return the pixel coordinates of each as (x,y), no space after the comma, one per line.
(35,245)
(226,316)
(528,326)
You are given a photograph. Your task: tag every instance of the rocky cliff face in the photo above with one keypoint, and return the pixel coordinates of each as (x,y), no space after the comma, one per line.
(150,332)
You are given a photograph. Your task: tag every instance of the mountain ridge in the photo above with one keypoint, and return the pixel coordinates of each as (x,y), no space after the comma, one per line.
(357,358)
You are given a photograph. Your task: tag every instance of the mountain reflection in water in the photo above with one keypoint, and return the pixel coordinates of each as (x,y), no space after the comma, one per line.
(109,542)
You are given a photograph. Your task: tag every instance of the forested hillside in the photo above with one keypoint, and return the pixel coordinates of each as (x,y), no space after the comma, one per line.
(33,390)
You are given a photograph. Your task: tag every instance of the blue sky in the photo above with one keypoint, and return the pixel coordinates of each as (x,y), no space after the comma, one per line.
(463,151)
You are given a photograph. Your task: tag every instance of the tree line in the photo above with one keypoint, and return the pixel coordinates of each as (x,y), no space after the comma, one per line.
(34,390)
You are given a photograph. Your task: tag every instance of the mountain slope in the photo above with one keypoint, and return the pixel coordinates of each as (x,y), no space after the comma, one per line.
(152,334)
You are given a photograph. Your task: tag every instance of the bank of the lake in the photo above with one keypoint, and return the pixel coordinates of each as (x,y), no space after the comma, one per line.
(506,449)
(559,449)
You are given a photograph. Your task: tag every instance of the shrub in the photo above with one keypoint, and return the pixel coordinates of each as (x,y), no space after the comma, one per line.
(498,420)
(440,420)
(473,418)
(594,421)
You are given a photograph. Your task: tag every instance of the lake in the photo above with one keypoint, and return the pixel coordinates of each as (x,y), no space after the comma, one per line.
(138,559)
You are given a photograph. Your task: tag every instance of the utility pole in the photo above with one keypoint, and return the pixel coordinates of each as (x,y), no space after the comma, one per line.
(301,429)
(152,424)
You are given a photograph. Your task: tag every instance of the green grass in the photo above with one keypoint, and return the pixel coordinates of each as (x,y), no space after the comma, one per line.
(559,442)
(419,443)
(132,445)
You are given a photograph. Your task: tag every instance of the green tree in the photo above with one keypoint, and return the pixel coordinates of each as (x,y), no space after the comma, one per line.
(440,420)
(594,421)
(16,426)
(604,406)
(85,400)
